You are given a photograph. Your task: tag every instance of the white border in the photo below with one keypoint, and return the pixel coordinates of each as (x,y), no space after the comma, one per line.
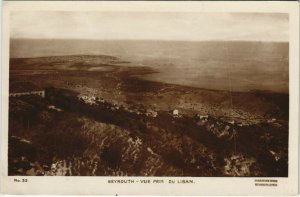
(203,186)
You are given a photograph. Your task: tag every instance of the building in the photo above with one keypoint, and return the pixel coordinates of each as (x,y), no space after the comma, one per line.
(25,88)
(151,113)
(175,112)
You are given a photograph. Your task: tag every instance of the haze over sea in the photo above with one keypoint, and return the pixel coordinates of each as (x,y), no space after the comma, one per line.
(220,65)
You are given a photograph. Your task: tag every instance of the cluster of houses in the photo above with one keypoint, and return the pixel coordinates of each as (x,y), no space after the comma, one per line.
(93,100)
(218,128)
(90,100)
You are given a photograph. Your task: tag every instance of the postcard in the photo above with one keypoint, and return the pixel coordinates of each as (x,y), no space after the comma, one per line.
(150,98)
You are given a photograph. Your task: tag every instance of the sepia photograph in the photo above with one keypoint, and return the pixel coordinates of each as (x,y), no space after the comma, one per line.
(147,93)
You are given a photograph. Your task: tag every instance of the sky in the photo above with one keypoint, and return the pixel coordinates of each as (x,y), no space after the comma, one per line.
(150,26)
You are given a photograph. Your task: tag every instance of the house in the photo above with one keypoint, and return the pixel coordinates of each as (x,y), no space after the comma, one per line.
(201,117)
(271,120)
(18,89)
(175,112)
(54,108)
(151,113)
(88,99)
(231,122)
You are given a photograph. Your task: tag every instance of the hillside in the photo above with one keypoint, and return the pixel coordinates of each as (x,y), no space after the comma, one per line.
(103,116)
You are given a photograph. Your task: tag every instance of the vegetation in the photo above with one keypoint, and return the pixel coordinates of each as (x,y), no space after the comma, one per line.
(99,123)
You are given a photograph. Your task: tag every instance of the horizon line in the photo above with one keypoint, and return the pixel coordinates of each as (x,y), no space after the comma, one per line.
(162,40)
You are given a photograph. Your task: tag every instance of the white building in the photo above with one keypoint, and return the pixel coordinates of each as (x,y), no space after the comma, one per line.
(175,112)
